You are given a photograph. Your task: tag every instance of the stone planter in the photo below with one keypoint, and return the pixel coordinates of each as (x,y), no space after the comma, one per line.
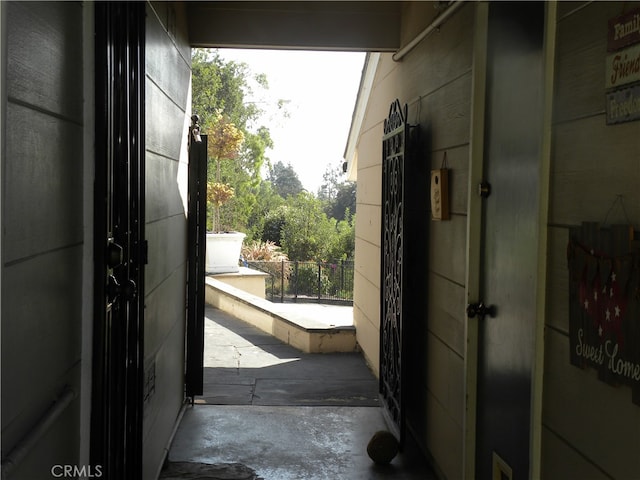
(223,252)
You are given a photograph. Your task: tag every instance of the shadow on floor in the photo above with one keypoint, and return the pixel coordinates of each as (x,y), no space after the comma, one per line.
(272,412)
(244,366)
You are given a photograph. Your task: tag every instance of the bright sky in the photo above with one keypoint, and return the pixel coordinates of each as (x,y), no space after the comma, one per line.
(321,89)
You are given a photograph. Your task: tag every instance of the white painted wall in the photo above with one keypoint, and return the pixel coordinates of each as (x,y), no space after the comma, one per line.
(88,70)
(168,107)
(589,429)
(434,79)
(43,229)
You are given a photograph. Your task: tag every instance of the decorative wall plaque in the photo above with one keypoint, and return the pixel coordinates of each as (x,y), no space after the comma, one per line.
(624,30)
(622,68)
(623,105)
(604,295)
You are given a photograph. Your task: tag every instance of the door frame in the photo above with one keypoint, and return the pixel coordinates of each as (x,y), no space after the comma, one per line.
(548,48)
(474,232)
(474,236)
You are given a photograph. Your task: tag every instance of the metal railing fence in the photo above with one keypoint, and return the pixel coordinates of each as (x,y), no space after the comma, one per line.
(295,281)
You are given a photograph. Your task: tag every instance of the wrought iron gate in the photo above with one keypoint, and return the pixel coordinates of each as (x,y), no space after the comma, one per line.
(197,205)
(120,245)
(392,266)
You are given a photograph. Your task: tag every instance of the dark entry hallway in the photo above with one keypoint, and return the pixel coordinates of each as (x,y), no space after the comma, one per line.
(270,411)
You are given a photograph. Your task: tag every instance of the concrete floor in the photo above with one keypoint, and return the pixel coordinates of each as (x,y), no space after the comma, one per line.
(271,412)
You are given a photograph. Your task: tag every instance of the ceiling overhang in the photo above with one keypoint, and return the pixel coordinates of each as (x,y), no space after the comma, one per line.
(308,25)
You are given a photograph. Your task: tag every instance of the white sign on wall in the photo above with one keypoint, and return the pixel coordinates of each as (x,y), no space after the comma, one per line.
(623,105)
(623,67)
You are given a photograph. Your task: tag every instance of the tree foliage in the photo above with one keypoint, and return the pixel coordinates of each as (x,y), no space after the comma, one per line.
(225,139)
(219,91)
(220,87)
(306,229)
(285,180)
(278,210)
(224,144)
(330,182)
(305,232)
(337,194)
(274,222)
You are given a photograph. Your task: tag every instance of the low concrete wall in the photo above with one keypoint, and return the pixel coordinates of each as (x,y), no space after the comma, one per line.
(251,281)
(313,337)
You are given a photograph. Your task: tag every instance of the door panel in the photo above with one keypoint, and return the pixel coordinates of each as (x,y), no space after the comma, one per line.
(197,227)
(510,233)
(116,430)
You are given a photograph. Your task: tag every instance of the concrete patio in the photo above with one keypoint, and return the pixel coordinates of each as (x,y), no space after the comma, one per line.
(272,412)
(311,327)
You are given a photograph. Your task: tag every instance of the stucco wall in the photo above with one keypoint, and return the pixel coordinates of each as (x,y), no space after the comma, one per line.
(590,429)
(434,79)
(168,101)
(42,228)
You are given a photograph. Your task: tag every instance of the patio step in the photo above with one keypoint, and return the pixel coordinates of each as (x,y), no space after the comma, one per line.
(308,333)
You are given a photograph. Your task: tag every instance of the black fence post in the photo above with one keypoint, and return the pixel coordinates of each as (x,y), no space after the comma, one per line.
(338,289)
(295,285)
(282,282)
(272,287)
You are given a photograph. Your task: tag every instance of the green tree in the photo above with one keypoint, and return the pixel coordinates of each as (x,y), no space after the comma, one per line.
(246,210)
(219,91)
(224,144)
(343,243)
(344,202)
(330,182)
(220,87)
(337,194)
(285,180)
(274,223)
(277,210)
(306,233)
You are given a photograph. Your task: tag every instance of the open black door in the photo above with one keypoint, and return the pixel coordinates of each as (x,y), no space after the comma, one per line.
(120,248)
(197,226)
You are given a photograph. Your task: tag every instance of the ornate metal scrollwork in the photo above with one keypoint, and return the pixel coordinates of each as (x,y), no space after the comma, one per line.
(392,251)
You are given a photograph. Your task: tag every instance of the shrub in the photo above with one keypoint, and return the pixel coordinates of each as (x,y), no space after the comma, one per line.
(306,281)
(263,251)
(268,257)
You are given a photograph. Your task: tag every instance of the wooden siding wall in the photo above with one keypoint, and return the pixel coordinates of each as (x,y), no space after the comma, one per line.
(435,80)
(590,429)
(168,103)
(42,229)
